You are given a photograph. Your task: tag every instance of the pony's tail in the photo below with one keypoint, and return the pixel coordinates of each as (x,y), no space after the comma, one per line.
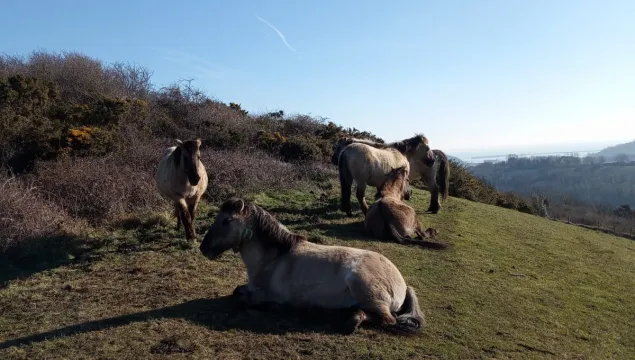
(345,181)
(410,320)
(444,173)
(392,230)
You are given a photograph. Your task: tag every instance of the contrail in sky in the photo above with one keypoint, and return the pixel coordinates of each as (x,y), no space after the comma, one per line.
(278,32)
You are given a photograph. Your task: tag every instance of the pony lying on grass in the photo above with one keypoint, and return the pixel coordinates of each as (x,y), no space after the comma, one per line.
(284,268)
(392,219)
(182,178)
(364,165)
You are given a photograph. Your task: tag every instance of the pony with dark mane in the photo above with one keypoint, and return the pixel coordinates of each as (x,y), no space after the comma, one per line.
(367,162)
(182,178)
(284,268)
(392,219)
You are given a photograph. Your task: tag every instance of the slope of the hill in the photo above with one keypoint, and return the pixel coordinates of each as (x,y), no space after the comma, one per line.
(610,184)
(612,151)
(512,286)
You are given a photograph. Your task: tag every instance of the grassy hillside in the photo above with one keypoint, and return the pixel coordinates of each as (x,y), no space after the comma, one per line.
(512,286)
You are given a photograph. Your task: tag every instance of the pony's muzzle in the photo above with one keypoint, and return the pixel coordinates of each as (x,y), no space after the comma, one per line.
(210,254)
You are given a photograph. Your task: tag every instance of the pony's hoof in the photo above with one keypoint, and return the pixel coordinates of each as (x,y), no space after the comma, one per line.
(242,295)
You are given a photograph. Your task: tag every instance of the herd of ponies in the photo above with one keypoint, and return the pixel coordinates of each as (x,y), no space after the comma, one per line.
(284,268)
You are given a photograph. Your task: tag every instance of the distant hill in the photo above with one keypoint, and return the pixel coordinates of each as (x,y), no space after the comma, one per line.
(610,152)
(556,177)
(454,158)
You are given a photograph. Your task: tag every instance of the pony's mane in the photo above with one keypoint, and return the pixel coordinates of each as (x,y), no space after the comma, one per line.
(402,146)
(389,184)
(267,228)
(410,143)
(176,156)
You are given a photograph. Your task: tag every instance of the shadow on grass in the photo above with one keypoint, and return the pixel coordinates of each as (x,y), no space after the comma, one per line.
(45,253)
(220,314)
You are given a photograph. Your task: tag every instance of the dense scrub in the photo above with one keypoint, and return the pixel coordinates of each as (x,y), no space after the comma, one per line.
(87,138)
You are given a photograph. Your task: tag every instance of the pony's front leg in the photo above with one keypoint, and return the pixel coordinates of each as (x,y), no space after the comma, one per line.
(249,297)
(360,193)
(192,207)
(186,219)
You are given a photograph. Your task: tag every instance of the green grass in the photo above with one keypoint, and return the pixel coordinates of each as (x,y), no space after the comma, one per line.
(511,286)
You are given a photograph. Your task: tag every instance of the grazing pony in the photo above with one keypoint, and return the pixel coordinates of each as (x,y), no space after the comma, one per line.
(422,166)
(182,178)
(391,219)
(284,268)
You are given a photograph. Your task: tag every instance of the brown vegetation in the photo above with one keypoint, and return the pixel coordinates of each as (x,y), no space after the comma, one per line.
(89,136)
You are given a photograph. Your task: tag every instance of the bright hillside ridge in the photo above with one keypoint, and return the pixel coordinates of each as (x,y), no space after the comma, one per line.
(512,286)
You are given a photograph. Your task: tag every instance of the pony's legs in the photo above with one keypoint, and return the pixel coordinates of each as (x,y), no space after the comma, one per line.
(345,205)
(360,194)
(177,213)
(187,220)
(431,182)
(374,302)
(192,208)
(353,321)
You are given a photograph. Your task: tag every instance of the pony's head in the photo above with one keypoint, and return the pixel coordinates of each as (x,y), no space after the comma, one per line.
(338,146)
(396,182)
(418,147)
(188,153)
(240,223)
(229,229)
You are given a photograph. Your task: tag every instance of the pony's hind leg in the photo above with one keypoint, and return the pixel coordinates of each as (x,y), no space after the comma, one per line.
(431,182)
(354,319)
(177,214)
(360,193)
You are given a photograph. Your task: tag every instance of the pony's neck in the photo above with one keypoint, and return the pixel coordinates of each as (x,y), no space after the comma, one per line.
(264,240)
(255,257)
(388,190)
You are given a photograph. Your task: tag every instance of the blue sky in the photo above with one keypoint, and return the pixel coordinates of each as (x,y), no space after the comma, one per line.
(499,75)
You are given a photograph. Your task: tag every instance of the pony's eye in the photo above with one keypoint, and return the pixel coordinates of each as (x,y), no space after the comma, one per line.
(226,221)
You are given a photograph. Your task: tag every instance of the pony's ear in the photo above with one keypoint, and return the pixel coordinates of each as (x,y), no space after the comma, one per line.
(178,142)
(198,142)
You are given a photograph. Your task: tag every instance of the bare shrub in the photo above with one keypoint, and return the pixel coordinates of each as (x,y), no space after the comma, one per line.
(80,78)
(238,173)
(26,215)
(99,189)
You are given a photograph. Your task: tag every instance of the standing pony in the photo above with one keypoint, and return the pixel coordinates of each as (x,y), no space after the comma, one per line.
(392,219)
(424,168)
(182,178)
(368,164)
(285,268)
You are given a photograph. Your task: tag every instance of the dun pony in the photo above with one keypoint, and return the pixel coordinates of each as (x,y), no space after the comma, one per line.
(422,166)
(284,268)
(391,219)
(182,178)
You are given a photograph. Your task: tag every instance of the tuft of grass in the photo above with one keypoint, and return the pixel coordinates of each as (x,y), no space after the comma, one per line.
(511,286)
